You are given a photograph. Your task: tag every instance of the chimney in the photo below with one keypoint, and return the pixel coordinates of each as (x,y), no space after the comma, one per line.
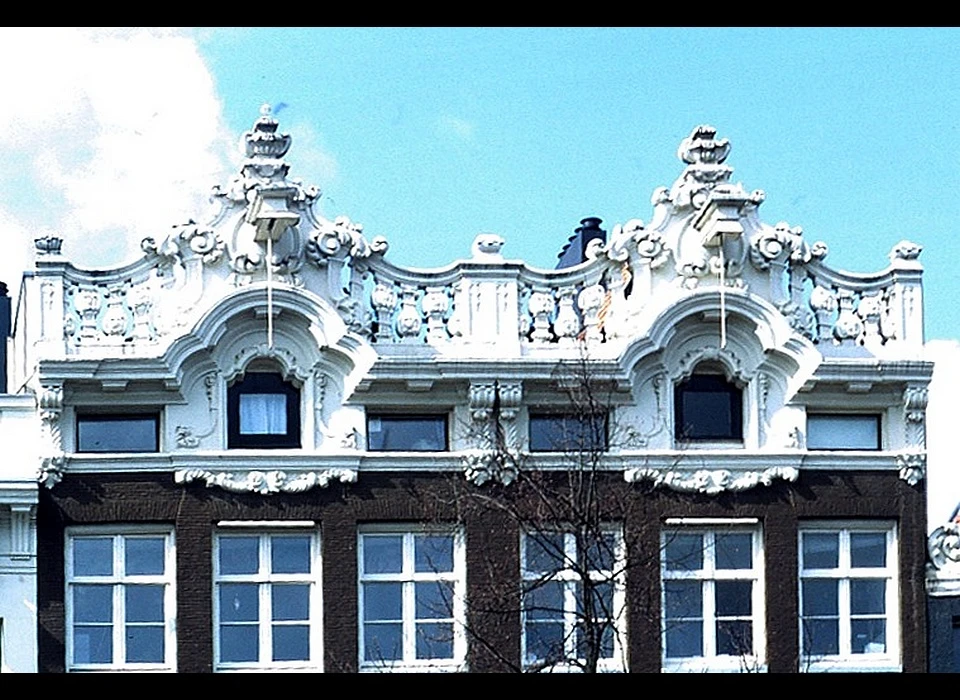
(573,252)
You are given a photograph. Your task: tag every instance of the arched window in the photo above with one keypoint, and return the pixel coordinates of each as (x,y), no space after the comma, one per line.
(263,411)
(707,406)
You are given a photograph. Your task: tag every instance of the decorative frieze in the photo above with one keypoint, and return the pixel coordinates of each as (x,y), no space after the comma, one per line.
(266,482)
(710,481)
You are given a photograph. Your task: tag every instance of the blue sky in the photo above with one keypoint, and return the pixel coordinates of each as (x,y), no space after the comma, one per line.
(429,136)
(438,134)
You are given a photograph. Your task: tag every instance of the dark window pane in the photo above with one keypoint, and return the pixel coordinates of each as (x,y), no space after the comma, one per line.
(382,642)
(606,633)
(93,603)
(544,641)
(869,636)
(867,596)
(424,433)
(93,556)
(290,555)
(239,555)
(602,552)
(708,407)
(144,644)
(820,597)
(143,556)
(821,550)
(568,432)
(545,552)
(291,642)
(684,639)
(144,603)
(290,601)
(133,433)
(734,598)
(239,643)
(601,598)
(734,637)
(868,549)
(92,645)
(545,601)
(843,432)
(683,599)
(382,601)
(434,641)
(684,552)
(433,553)
(734,550)
(434,599)
(382,554)
(239,602)
(821,637)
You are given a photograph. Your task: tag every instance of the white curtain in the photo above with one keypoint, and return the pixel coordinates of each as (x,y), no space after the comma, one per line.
(263,414)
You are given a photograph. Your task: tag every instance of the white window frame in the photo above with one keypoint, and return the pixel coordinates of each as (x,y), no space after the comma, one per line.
(845,660)
(709,575)
(264,578)
(119,581)
(408,577)
(570,577)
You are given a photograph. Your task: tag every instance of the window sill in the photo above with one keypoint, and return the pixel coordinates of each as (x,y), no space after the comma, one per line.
(707,444)
(851,665)
(607,666)
(437,666)
(144,668)
(726,664)
(293,667)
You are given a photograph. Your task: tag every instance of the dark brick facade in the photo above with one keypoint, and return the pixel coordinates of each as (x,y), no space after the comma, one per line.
(492,551)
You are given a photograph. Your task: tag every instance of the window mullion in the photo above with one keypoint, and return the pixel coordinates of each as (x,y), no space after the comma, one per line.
(709,617)
(408,610)
(119,602)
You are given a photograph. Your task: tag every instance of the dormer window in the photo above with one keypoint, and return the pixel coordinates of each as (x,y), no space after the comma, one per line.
(708,406)
(263,411)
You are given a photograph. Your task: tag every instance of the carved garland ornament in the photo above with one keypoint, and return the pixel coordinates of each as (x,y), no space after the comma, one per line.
(913,467)
(485,466)
(266,482)
(710,481)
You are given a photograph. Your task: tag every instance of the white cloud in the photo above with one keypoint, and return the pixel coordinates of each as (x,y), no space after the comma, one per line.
(454,126)
(309,160)
(943,417)
(108,136)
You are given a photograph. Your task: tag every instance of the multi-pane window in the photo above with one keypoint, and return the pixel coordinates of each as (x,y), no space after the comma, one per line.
(573,599)
(712,598)
(120,601)
(843,431)
(848,596)
(407,432)
(267,600)
(567,432)
(411,599)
